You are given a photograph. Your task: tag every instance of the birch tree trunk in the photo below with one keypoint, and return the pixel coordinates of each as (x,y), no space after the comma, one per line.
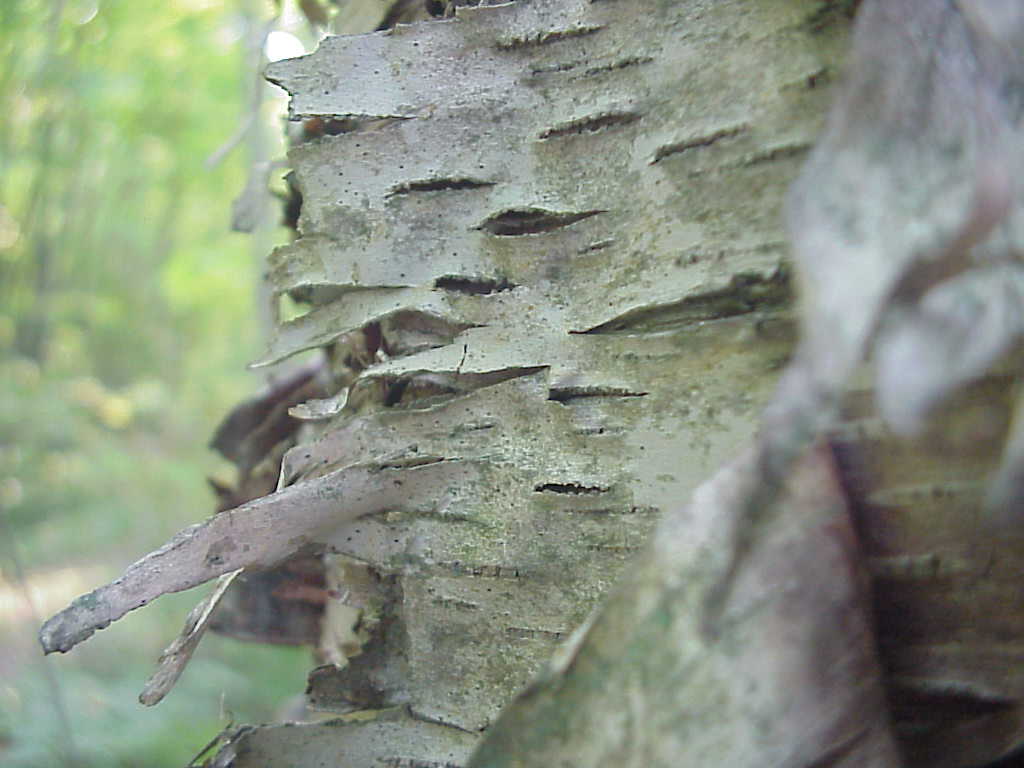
(565,218)
(545,254)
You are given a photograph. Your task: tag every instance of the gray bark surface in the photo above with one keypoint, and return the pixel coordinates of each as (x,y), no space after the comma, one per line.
(791,679)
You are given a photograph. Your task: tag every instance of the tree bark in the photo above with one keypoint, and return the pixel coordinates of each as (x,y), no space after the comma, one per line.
(566,218)
(546,258)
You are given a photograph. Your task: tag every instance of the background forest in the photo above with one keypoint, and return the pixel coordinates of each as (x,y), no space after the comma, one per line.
(127,316)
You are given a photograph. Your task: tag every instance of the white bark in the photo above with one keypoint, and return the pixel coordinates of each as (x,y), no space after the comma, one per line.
(583,199)
(565,216)
(565,219)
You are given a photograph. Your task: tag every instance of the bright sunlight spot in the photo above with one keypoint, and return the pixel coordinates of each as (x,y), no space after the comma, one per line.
(283,45)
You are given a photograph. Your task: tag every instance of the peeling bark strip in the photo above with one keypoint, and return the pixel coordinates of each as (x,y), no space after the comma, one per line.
(746,293)
(177,655)
(391,738)
(257,534)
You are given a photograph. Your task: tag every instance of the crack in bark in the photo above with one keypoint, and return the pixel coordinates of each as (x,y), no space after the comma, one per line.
(545,38)
(476,286)
(678,147)
(532,221)
(590,124)
(626,63)
(567,394)
(438,185)
(571,488)
(745,293)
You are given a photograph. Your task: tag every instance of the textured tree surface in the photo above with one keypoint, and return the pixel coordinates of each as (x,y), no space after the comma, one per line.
(538,204)
(546,258)
(790,680)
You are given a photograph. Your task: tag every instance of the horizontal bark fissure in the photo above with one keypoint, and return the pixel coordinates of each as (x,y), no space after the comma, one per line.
(546,38)
(614,66)
(480,570)
(550,69)
(446,515)
(415,715)
(570,488)
(413,461)
(438,185)
(413,389)
(771,154)
(614,548)
(320,126)
(698,142)
(477,286)
(446,601)
(746,293)
(599,245)
(615,511)
(357,119)
(474,427)
(590,124)
(568,394)
(415,762)
(606,431)
(535,633)
(532,221)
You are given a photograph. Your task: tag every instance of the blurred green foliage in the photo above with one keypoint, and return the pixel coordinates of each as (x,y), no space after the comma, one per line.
(127,315)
